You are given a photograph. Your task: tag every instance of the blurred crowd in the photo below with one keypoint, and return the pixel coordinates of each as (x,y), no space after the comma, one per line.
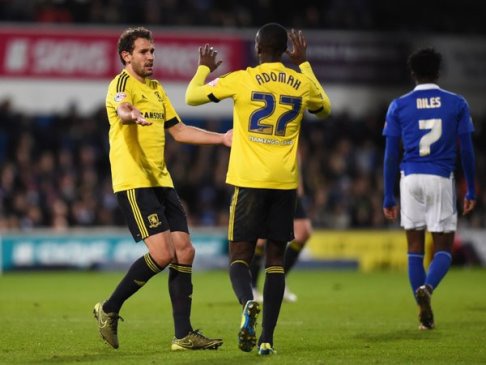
(445,16)
(54,172)
(54,169)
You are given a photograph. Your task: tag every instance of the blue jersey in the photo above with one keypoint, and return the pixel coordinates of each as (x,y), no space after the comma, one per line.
(428,120)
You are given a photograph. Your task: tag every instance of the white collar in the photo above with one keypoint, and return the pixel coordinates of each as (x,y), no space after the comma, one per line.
(426,86)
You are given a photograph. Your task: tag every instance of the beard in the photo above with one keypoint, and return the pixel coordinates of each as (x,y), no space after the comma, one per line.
(143,71)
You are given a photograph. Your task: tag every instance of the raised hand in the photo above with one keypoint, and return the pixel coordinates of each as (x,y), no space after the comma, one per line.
(207,57)
(299,47)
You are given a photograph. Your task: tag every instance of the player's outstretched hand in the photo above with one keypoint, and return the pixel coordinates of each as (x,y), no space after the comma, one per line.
(207,57)
(299,47)
(129,114)
(138,119)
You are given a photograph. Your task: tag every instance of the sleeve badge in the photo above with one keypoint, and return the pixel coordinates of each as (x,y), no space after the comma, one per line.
(213,82)
(120,96)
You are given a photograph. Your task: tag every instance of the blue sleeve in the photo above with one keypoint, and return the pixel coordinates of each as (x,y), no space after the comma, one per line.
(468,164)
(390,170)
(464,116)
(392,126)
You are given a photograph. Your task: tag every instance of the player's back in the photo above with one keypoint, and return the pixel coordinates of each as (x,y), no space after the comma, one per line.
(269,103)
(429,120)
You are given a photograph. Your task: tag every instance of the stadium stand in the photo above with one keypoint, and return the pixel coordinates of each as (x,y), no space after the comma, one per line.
(54,172)
(377,15)
(54,169)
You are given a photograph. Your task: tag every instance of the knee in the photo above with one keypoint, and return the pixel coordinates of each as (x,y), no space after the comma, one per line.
(302,231)
(242,251)
(186,253)
(302,238)
(162,258)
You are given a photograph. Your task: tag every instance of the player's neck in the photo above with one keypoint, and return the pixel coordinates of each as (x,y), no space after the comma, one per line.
(136,76)
(426,80)
(269,58)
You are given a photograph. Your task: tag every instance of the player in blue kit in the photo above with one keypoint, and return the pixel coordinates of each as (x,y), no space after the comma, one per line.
(429,122)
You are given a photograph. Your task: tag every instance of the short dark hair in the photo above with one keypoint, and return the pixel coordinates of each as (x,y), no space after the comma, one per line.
(126,42)
(425,63)
(273,37)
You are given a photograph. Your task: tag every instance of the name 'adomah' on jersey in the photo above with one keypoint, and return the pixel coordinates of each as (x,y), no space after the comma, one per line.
(269,103)
(429,121)
(137,152)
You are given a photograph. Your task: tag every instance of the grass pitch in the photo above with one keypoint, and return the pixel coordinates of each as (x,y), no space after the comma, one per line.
(341,317)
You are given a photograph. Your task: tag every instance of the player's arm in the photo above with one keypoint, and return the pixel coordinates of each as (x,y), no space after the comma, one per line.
(322,109)
(189,134)
(390,172)
(196,92)
(130,115)
(468,165)
(321,105)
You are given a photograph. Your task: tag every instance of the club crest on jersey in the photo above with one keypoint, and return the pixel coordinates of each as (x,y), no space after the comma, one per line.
(120,96)
(158,96)
(213,82)
(154,220)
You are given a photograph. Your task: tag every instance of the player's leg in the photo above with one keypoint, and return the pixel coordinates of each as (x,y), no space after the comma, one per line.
(247,212)
(136,204)
(413,198)
(273,291)
(441,219)
(180,277)
(442,259)
(416,252)
(442,222)
(302,232)
(255,268)
(412,206)
(241,254)
(280,231)
(416,274)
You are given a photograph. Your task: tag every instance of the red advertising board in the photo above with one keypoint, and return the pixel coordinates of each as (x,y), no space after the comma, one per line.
(79,53)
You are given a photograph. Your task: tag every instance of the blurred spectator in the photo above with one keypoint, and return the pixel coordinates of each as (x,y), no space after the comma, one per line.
(369,15)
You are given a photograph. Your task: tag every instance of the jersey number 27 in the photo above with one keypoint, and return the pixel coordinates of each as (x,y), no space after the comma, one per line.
(268,109)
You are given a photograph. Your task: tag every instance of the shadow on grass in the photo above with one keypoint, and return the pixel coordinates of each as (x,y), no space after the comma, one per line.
(174,358)
(476,308)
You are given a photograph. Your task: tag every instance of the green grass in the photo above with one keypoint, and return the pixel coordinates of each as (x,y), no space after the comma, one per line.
(341,318)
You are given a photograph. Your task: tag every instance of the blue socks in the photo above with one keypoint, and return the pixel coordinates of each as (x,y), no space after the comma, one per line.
(437,270)
(416,271)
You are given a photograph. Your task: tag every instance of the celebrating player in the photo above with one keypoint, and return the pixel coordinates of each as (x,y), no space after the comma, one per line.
(429,121)
(139,112)
(269,103)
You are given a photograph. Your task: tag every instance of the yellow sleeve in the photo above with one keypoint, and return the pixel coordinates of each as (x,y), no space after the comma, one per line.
(196,93)
(319,104)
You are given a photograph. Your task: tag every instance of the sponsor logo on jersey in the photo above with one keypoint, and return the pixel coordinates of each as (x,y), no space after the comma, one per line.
(158,96)
(153,115)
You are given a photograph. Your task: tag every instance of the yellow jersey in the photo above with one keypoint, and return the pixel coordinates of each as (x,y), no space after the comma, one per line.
(137,152)
(269,103)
